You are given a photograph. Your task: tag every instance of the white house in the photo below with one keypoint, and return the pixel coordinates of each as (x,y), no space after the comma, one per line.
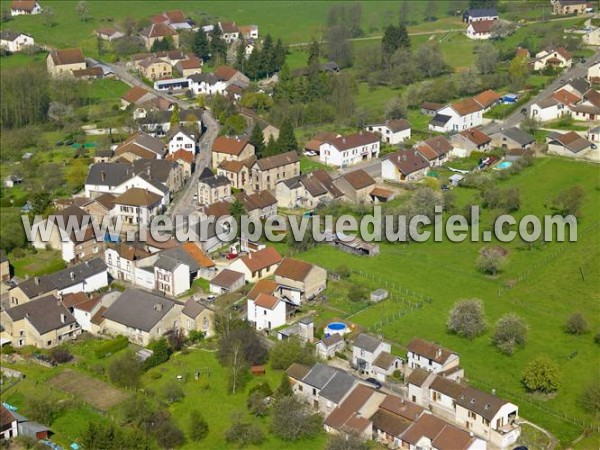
(558,57)
(172,277)
(430,356)
(347,150)
(402,166)
(480,29)
(85,277)
(593,135)
(327,347)
(123,259)
(547,109)
(15,42)
(181,139)
(137,206)
(257,265)
(25,7)
(593,73)
(478,14)
(226,281)
(457,116)
(391,131)
(206,84)
(229,31)
(365,350)
(266,312)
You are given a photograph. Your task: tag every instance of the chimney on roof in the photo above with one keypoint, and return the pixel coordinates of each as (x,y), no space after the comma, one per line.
(158,307)
(63,318)
(36,280)
(27,315)
(103,175)
(438,352)
(72,275)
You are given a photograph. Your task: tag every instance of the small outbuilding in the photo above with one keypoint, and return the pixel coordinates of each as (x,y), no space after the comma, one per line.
(379,295)
(456,179)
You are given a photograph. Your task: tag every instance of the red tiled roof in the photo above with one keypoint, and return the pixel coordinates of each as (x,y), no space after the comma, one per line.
(266,301)
(23,5)
(482,26)
(182,155)
(138,197)
(261,259)
(158,30)
(565,97)
(354,140)
(264,287)
(67,56)
(466,106)
(359,179)
(229,145)
(197,254)
(475,136)
(225,73)
(293,269)
(487,98)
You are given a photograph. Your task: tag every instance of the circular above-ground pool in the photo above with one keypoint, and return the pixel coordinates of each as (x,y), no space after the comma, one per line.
(336,328)
(504,165)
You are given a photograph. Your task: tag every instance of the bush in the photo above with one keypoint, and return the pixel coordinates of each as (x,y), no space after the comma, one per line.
(590,397)
(511,332)
(195,336)
(343,272)
(244,433)
(286,352)
(198,428)
(126,370)
(109,347)
(161,354)
(467,319)
(576,324)
(60,355)
(172,392)
(541,375)
(257,404)
(294,419)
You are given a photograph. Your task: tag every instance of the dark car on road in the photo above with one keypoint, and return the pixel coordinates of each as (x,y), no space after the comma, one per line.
(376,383)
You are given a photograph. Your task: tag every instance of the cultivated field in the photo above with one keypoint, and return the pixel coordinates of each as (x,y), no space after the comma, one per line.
(95,392)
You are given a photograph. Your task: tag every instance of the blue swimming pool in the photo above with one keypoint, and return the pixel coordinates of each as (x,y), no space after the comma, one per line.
(504,165)
(336,328)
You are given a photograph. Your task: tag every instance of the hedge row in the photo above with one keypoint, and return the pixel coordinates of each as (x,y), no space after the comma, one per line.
(112,346)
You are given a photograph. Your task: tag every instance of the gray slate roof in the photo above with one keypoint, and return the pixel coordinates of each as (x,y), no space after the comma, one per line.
(518,135)
(338,387)
(114,174)
(581,84)
(319,375)
(439,120)
(209,178)
(76,274)
(366,342)
(44,314)
(167,263)
(138,309)
(192,308)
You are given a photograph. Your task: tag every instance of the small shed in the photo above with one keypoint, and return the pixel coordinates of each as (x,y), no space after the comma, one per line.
(226,281)
(510,98)
(456,179)
(379,295)
(257,370)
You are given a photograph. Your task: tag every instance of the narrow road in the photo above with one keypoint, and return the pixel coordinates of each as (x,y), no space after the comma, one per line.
(184,203)
(576,71)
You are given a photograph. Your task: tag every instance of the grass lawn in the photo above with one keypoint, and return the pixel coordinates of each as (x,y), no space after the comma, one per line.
(551,288)
(210,395)
(34,264)
(374,99)
(569,125)
(309,164)
(20,60)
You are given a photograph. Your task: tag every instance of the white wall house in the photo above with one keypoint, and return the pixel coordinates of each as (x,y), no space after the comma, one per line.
(480,29)
(552,57)
(593,73)
(184,141)
(257,265)
(365,350)
(457,116)
(25,7)
(392,131)
(351,149)
(15,42)
(206,84)
(266,312)
(89,284)
(429,356)
(547,109)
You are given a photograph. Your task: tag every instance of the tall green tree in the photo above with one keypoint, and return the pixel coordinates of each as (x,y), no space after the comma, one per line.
(257,139)
(287,138)
(271,148)
(201,46)
(175,117)
(314,52)
(394,38)
(218,46)
(240,57)
(267,57)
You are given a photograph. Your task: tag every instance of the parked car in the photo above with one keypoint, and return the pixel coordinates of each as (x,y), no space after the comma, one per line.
(445,187)
(231,255)
(376,383)
(60,143)
(310,153)
(523,110)
(69,142)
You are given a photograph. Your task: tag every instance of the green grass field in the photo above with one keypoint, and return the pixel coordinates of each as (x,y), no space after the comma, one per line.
(550,290)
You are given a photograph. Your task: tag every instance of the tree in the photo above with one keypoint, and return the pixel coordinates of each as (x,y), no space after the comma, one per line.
(271,148)
(126,370)
(518,72)
(288,351)
(198,427)
(568,202)
(530,125)
(314,53)
(394,38)
(491,259)
(294,419)
(487,58)
(512,199)
(285,388)
(218,47)
(43,407)
(425,200)
(358,293)
(256,404)
(590,397)
(83,11)
(429,60)
(237,211)
(501,29)
(244,433)
(47,16)
(492,197)
(467,319)
(238,367)
(200,45)
(167,433)
(100,46)
(346,441)
(161,353)
(395,108)
(257,139)
(136,410)
(511,332)
(234,125)
(339,47)
(541,375)
(576,324)
(162,45)
(172,392)
(287,138)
